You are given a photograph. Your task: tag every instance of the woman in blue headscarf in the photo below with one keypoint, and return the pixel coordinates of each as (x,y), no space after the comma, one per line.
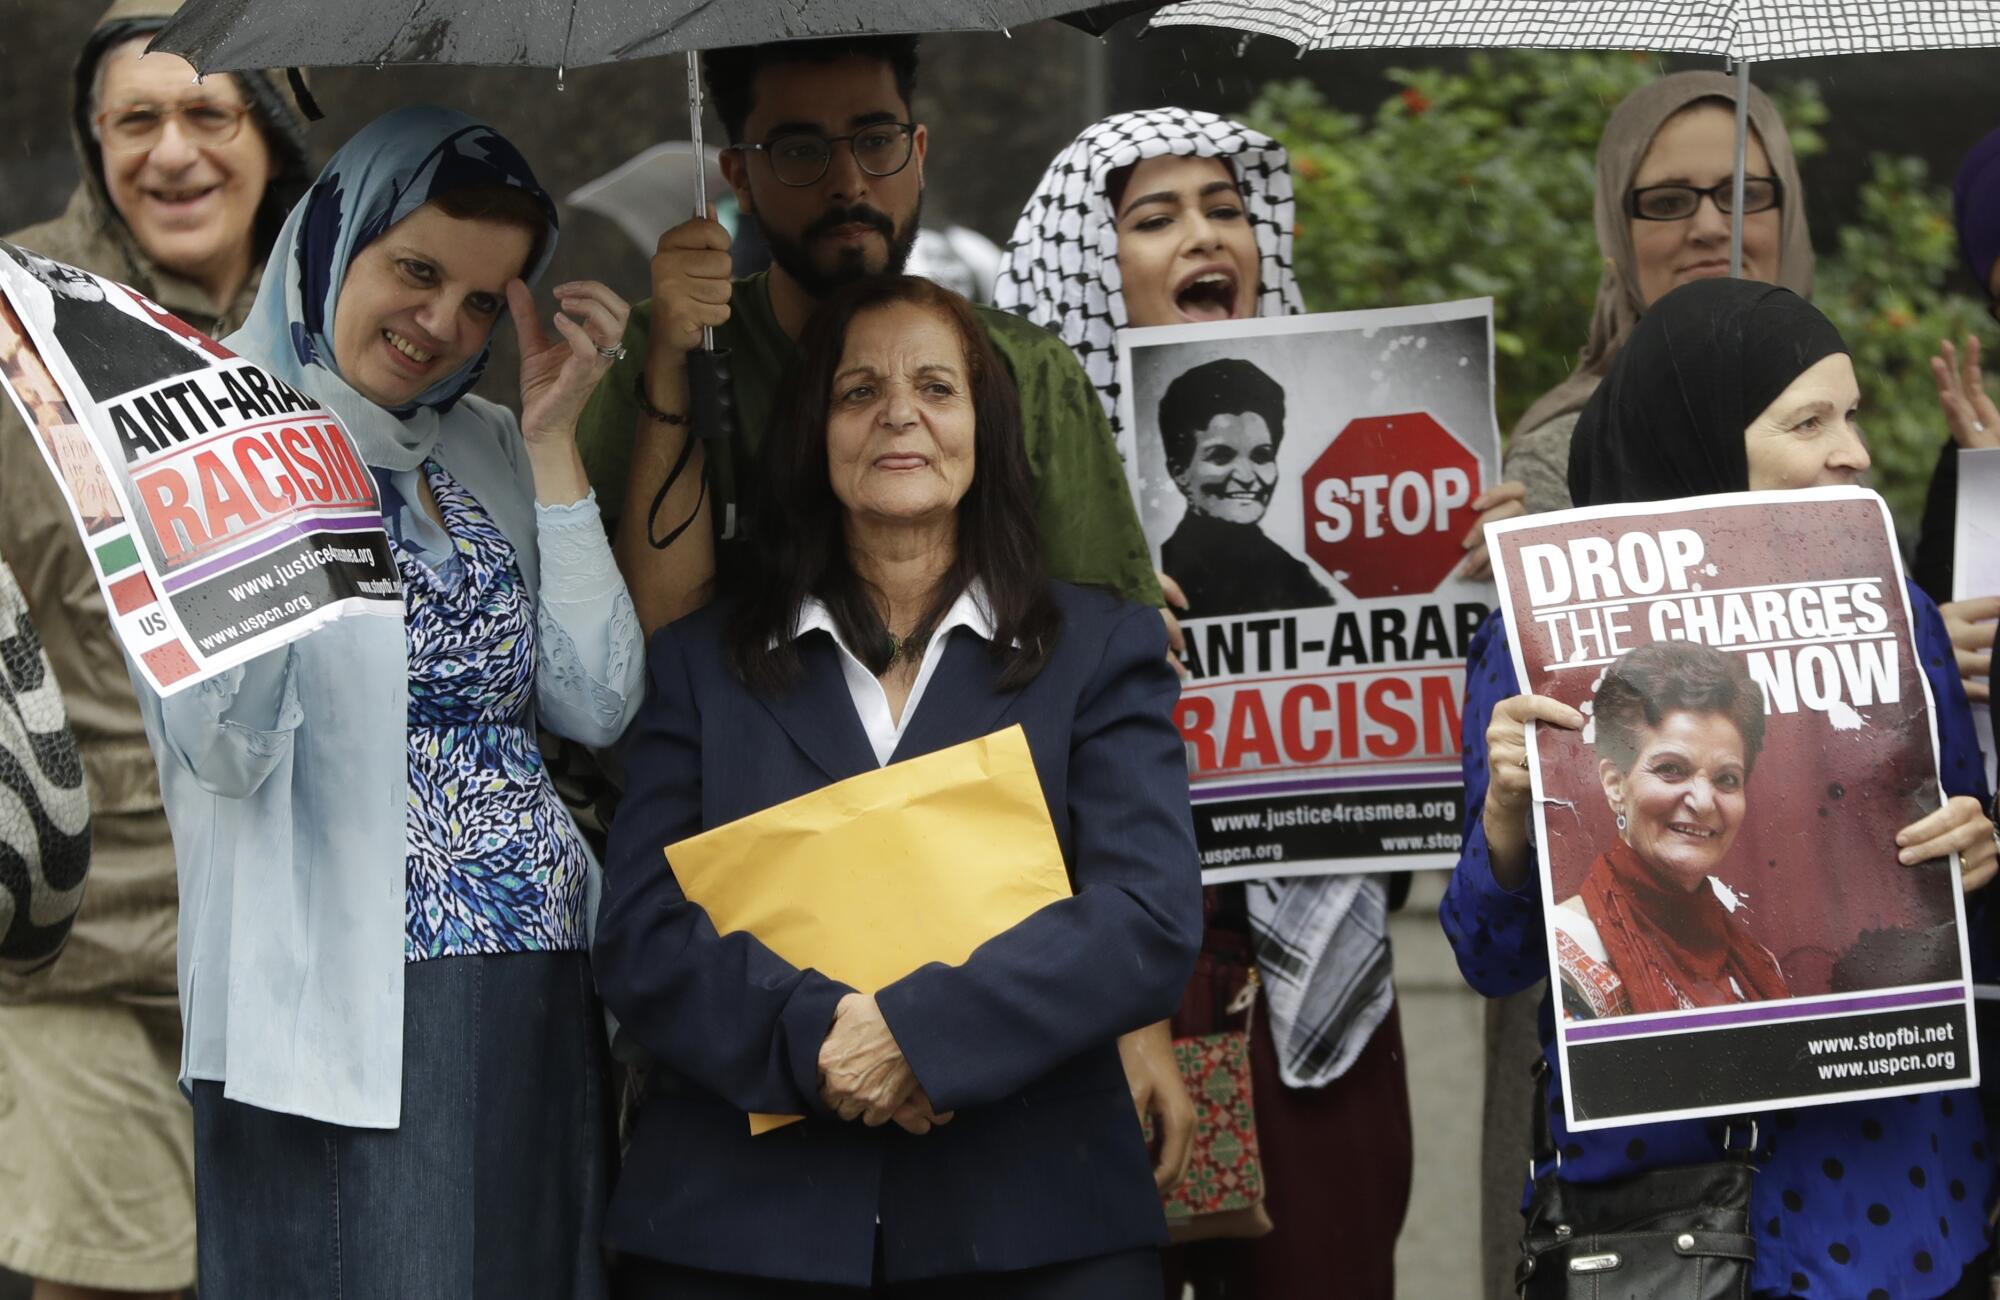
(391,1037)
(1971,418)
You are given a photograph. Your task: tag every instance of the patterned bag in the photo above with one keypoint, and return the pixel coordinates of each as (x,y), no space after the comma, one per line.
(1222,1194)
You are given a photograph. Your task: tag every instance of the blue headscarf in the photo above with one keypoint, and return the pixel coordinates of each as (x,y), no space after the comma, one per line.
(393,166)
(1976,204)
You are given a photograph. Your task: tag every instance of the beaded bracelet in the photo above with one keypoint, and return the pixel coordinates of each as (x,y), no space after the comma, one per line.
(646,403)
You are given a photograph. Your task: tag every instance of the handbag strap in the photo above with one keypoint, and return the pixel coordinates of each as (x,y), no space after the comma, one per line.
(1739,1137)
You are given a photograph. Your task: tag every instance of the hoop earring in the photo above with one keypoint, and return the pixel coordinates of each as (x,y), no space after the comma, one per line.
(1621,823)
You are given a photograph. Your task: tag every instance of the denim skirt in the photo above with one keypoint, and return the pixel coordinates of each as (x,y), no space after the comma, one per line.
(493,1185)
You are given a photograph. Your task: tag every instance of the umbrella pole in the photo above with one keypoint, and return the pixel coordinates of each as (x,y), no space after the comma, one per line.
(711,394)
(1736,180)
(701,161)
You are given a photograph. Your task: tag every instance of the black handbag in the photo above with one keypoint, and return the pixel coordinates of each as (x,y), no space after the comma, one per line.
(1681,1232)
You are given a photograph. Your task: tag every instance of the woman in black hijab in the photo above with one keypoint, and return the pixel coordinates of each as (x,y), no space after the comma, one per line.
(1681,419)
(1732,386)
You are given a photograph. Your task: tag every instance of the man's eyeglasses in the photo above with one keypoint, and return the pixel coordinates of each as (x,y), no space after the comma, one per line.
(802,157)
(135,128)
(1678,202)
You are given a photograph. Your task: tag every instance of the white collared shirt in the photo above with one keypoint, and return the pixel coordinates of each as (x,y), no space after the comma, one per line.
(871,702)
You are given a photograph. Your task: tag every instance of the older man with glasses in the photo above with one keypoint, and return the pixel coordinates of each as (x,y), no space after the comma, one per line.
(184,184)
(828,158)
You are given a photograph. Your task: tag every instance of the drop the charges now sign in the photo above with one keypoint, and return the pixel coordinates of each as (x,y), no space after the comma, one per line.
(1308,481)
(1729,927)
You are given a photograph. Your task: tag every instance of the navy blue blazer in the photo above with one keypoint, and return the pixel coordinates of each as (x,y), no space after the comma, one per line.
(1044,1161)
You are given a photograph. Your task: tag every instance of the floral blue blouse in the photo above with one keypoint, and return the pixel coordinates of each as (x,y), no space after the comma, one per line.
(1857,1199)
(495,863)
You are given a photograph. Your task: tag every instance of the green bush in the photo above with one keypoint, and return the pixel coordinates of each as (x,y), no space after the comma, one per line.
(1480,181)
(1884,286)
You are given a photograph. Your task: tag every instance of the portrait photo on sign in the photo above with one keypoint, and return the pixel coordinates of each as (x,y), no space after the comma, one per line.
(65,442)
(1718,843)
(1227,421)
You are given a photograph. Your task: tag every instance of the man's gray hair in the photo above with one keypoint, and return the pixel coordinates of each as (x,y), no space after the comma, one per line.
(97,77)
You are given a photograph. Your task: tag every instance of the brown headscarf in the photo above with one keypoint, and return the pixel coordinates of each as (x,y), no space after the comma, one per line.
(1627,137)
(1666,942)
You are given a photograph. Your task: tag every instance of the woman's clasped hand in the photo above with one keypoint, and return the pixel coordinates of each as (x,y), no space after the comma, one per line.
(863,1074)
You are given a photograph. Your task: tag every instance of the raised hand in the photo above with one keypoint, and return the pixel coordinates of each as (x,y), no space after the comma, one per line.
(1969,413)
(558,373)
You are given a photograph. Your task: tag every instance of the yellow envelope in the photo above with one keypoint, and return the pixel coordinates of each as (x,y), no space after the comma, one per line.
(872,877)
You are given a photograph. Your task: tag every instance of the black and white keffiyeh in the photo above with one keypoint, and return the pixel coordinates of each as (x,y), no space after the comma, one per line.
(1061,269)
(1322,941)
(44,813)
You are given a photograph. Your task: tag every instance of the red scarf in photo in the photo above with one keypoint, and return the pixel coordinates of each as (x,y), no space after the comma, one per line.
(1672,947)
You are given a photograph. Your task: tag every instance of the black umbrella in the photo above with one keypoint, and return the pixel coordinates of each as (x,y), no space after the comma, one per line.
(240,35)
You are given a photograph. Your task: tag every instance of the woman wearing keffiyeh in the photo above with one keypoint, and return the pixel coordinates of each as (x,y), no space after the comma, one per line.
(1168,216)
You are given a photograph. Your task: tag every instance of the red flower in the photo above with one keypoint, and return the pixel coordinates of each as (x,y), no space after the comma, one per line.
(1416,100)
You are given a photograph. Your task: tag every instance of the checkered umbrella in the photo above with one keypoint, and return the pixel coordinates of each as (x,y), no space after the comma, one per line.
(1744,31)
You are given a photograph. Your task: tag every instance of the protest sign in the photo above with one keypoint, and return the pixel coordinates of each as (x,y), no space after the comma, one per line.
(225,512)
(1727,919)
(1308,481)
(1975,569)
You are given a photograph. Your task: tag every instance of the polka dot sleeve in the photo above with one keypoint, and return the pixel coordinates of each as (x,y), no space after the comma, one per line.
(1496,933)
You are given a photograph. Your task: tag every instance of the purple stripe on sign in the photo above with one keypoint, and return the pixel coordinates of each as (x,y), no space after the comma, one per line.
(1798,1009)
(295,532)
(1412,781)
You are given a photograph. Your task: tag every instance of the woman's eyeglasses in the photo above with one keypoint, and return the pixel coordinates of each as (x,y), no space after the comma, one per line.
(135,128)
(802,157)
(1678,202)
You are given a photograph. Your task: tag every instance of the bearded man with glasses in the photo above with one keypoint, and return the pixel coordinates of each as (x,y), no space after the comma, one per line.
(826,153)
(184,185)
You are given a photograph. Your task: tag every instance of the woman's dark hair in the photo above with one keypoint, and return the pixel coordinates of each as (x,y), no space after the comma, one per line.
(507,205)
(731,71)
(799,544)
(1667,677)
(1226,387)
(1115,183)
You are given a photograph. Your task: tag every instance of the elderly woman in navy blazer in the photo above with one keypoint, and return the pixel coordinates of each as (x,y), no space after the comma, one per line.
(970,1132)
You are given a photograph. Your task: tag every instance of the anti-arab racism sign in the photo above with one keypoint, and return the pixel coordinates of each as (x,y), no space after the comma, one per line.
(1727,919)
(1308,481)
(225,512)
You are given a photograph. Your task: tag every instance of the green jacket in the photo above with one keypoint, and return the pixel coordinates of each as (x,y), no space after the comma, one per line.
(1090,532)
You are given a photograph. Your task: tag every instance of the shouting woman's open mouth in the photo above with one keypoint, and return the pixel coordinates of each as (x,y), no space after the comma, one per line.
(1207,294)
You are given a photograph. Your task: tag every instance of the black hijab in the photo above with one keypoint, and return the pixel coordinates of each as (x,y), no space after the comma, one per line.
(1703,362)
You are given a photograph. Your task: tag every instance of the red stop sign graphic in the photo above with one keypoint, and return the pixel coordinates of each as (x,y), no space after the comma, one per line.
(1387,503)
